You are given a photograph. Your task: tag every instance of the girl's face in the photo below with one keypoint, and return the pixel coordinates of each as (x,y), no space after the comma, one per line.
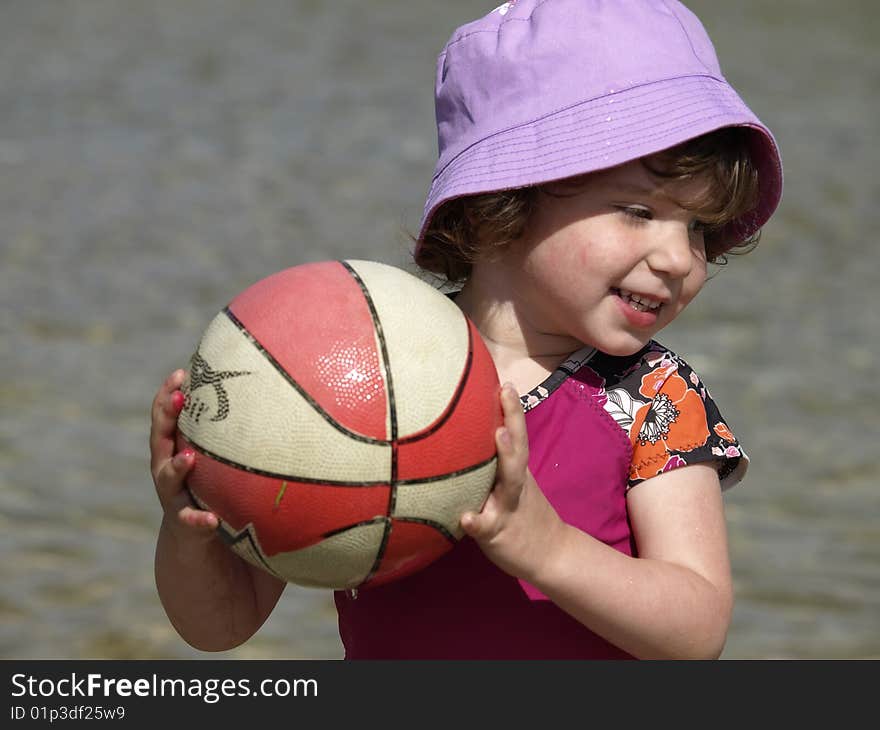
(609,259)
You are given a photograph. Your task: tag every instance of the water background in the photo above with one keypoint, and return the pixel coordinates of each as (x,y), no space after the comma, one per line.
(156,158)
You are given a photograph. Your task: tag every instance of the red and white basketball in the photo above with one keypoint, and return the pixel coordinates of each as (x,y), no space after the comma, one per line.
(343,416)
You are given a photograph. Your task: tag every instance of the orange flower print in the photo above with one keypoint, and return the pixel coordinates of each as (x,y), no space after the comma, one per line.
(724,432)
(674,420)
(654,380)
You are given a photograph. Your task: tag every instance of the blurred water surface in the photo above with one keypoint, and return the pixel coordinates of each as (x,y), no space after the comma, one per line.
(156,158)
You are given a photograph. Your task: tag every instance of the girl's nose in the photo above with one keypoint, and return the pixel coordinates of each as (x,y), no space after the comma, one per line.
(672,252)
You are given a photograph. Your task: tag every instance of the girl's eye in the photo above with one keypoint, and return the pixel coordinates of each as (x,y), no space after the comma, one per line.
(636,215)
(699,227)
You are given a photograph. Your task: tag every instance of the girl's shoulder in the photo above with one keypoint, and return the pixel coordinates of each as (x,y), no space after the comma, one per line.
(660,402)
(669,414)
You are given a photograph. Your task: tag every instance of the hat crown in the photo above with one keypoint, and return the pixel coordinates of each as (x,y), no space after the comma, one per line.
(530,58)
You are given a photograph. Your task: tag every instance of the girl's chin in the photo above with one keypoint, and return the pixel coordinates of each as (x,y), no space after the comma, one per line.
(624,350)
(622,344)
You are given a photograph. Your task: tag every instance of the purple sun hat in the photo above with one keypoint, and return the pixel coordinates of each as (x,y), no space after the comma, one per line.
(540,90)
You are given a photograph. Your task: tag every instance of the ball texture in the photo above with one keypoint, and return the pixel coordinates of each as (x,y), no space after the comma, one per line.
(343,415)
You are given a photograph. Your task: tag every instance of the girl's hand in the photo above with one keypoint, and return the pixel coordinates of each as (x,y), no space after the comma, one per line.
(169,469)
(517,526)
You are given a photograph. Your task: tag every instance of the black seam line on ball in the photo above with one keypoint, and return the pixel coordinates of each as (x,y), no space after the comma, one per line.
(228,534)
(279,475)
(299,389)
(332,482)
(231,537)
(386,533)
(429,523)
(392,402)
(362,523)
(456,396)
(376,520)
(392,413)
(383,346)
(450,475)
(380,553)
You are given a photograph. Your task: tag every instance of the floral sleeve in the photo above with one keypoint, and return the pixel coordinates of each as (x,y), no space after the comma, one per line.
(676,422)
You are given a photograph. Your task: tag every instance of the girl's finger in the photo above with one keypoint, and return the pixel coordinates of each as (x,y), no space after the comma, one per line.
(511,442)
(474,525)
(514,418)
(198,519)
(161,401)
(175,379)
(166,407)
(171,476)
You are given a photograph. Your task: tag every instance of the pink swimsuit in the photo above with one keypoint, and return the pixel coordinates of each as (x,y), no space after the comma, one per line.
(582,454)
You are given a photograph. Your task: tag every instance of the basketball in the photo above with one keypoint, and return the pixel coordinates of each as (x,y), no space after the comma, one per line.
(343,415)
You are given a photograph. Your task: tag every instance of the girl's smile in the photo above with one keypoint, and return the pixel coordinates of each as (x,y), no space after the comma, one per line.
(639,309)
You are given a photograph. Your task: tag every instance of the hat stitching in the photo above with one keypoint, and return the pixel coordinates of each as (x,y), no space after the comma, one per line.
(632,110)
(495,30)
(465,178)
(571,110)
(686,34)
(552,141)
(627,111)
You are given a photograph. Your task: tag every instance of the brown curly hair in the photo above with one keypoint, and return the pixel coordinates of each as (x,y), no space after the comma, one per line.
(465,229)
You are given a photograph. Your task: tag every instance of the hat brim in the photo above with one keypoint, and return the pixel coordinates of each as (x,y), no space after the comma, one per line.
(608,131)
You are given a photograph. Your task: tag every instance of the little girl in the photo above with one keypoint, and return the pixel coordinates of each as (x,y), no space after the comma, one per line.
(593,160)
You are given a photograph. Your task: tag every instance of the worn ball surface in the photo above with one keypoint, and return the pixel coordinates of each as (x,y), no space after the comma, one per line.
(343,416)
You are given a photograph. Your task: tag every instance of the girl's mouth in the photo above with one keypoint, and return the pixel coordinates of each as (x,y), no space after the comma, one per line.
(639,302)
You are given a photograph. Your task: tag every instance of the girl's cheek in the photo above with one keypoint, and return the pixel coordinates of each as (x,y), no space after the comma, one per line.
(693,288)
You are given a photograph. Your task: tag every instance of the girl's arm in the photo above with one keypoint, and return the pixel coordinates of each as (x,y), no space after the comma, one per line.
(214,599)
(674,601)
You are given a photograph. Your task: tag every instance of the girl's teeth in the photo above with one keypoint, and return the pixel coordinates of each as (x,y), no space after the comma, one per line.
(637,303)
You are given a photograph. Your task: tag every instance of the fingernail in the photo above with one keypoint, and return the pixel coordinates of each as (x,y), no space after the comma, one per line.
(504,436)
(184,457)
(178,399)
